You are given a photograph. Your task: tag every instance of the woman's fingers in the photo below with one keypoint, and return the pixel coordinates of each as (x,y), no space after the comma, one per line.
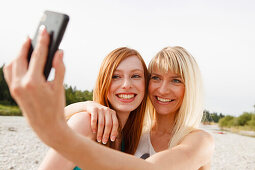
(40,53)
(8,73)
(107,127)
(94,116)
(21,63)
(100,128)
(59,66)
(104,122)
(115,126)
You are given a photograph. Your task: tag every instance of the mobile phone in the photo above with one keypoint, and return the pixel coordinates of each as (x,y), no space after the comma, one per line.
(55,24)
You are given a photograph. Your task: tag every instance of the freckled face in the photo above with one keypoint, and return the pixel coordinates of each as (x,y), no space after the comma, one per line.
(128,85)
(166,91)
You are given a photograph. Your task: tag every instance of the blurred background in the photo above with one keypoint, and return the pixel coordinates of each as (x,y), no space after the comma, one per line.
(219,34)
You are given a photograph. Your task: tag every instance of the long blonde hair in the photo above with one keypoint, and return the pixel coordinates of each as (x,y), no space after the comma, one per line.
(180,61)
(132,130)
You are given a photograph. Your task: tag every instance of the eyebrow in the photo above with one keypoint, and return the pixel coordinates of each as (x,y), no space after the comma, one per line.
(134,70)
(176,76)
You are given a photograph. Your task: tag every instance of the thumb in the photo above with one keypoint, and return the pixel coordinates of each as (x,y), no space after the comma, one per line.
(59,67)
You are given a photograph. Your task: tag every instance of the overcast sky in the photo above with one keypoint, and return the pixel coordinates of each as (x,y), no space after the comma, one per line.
(219,34)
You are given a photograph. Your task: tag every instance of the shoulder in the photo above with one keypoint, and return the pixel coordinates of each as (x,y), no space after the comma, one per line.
(200,143)
(81,123)
(202,136)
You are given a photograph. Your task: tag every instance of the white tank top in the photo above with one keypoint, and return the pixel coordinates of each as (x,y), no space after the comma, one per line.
(145,148)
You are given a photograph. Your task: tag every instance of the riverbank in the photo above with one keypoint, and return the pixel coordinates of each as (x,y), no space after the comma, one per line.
(21,149)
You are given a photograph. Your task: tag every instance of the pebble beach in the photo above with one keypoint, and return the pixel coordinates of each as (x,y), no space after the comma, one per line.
(21,149)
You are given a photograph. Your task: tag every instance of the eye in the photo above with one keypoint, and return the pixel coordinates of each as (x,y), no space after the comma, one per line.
(176,81)
(155,78)
(136,76)
(116,76)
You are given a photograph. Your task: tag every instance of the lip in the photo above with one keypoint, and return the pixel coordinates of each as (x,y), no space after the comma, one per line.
(128,100)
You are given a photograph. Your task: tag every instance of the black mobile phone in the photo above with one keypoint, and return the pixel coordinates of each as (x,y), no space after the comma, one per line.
(55,24)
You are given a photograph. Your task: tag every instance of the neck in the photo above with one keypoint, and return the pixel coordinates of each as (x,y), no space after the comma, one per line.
(163,124)
(123,116)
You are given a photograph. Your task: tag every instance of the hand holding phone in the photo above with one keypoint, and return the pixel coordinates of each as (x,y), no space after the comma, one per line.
(55,24)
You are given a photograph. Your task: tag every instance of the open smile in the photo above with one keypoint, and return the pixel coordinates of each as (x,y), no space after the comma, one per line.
(163,100)
(125,96)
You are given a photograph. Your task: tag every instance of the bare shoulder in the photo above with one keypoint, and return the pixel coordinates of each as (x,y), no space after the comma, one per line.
(200,143)
(202,136)
(81,123)
(201,133)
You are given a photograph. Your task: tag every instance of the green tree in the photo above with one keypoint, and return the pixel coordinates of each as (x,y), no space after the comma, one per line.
(226,121)
(73,95)
(5,96)
(244,118)
(206,116)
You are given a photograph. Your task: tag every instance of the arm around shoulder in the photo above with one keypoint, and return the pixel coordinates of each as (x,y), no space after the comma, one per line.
(80,123)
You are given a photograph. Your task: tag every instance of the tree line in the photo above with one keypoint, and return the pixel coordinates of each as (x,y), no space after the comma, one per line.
(245,120)
(211,117)
(72,94)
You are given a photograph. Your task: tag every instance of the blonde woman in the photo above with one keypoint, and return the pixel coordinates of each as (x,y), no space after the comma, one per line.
(174,90)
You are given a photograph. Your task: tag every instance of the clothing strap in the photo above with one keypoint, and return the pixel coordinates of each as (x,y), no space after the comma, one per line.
(122,147)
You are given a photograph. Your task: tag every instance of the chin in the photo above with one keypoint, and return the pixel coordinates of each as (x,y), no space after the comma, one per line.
(164,112)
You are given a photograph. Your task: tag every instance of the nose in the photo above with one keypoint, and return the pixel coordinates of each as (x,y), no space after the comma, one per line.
(164,87)
(127,83)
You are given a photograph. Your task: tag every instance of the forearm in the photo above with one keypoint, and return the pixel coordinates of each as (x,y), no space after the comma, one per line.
(75,108)
(54,160)
(90,155)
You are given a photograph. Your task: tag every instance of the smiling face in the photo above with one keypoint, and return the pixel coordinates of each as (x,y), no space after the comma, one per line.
(166,91)
(127,88)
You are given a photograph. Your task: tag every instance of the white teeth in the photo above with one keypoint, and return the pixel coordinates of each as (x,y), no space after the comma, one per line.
(163,100)
(126,96)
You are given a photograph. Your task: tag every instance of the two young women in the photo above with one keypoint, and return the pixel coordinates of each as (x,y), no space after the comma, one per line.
(175,108)
(175,103)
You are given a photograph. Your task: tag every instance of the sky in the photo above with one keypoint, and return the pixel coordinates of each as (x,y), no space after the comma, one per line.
(219,34)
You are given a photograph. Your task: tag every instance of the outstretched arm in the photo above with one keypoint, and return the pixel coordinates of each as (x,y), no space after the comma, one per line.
(42,103)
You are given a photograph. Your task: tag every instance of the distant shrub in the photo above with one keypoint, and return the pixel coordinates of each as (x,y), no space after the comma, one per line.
(244,118)
(10,110)
(251,122)
(226,121)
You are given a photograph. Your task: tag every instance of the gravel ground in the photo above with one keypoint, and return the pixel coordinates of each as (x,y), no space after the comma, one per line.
(20,148)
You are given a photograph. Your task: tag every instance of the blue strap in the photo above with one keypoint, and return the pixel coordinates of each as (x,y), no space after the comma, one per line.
(77,168)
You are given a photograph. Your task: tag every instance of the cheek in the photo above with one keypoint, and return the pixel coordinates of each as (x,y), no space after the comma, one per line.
(151,87)
(111,90)
(180,92)
(140,85)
